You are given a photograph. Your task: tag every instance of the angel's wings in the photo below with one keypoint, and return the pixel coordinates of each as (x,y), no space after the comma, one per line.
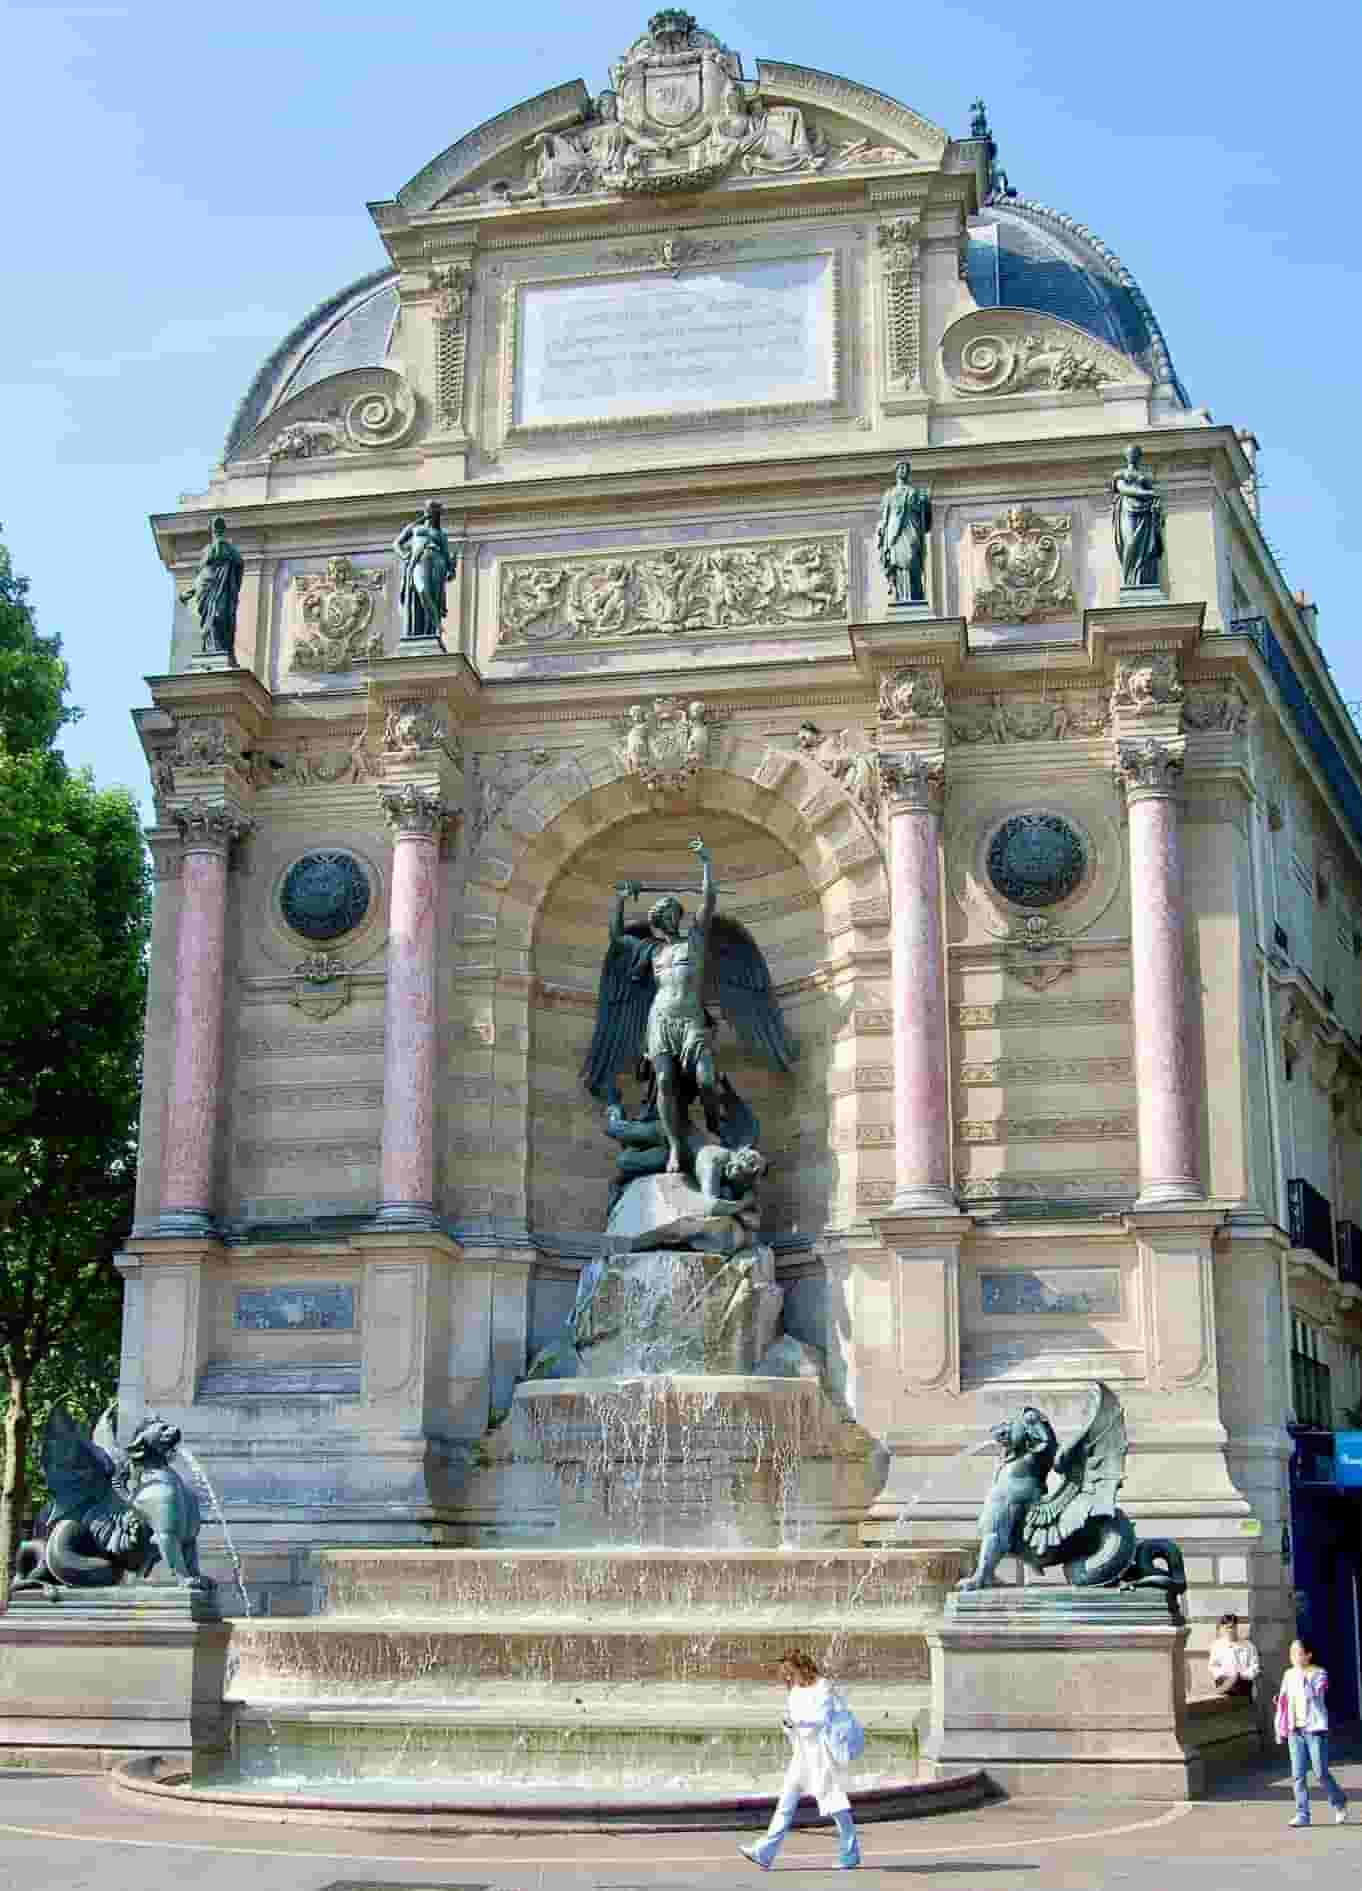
(623,999)
(738,981)
(79,1474)
(1093,1470)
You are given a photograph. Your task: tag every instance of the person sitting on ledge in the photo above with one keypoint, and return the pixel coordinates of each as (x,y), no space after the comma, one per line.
(1234,1664)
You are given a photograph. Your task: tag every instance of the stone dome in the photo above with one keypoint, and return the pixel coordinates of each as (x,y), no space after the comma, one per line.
(1023,255)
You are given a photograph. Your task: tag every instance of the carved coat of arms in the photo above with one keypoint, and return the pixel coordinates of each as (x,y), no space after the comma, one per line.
(666,743)
(338,606)
(1024,566)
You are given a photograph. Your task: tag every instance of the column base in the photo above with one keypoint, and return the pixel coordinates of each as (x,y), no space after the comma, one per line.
(1169,1194)
(405,1215)
(930,1199)
(184,1221)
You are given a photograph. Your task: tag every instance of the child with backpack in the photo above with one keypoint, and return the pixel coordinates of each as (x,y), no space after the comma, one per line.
(825,1737)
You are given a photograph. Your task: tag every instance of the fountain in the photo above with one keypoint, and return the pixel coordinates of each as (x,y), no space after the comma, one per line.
(693,1490)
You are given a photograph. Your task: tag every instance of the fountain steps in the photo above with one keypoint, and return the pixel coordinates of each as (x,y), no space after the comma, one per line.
(789,1585)
(701,1741)
(339,1656)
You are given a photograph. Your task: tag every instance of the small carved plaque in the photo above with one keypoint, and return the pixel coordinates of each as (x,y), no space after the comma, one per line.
(295,1309)
(1073,1292)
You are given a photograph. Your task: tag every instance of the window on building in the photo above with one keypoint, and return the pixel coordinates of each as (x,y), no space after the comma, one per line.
(1311,1395)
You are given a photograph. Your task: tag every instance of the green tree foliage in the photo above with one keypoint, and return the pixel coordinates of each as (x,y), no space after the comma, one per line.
(74,912)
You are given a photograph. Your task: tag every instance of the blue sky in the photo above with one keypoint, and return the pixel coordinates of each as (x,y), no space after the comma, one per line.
(182,184)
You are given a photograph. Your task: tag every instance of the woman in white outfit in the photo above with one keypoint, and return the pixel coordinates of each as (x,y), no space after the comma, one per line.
(811,1769)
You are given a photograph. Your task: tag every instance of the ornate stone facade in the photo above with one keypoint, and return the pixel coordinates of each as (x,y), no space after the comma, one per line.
(656,355)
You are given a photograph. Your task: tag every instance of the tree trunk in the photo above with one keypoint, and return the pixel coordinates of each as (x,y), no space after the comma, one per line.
(14,1489)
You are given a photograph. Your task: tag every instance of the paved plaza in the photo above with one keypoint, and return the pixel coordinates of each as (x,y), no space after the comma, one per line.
(67,1833)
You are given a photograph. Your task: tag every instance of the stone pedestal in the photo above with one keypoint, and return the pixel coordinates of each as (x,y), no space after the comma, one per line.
(1063,1692)
(99,1674)
(689,1460)
(671,1310)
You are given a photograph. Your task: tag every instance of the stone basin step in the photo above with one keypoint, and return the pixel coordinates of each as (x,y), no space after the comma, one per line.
(346,1657)
(655,1740)
(697,1704)
(623,1583)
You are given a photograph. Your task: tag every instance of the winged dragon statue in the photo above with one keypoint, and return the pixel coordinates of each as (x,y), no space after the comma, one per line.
(114,1512)
(658,980)
(1077,1523)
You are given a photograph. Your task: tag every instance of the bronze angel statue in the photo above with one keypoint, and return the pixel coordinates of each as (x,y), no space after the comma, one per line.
(114,1513)
(1078,1523)
(652,1018)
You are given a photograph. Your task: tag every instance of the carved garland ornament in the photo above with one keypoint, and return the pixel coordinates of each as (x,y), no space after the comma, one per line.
(452,284)
(898,243)
(1025,563)
(662,593)
(339,605)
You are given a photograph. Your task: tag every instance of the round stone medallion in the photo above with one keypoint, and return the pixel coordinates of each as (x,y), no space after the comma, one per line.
(1035,859)
(324,895)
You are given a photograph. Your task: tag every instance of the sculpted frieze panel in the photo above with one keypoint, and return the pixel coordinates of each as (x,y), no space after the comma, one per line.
(1016,351)
(1002,719)
(673,591)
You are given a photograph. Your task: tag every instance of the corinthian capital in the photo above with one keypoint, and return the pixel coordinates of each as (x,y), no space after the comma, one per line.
(913,782)
(412,810)
(1147,768)
(205,828)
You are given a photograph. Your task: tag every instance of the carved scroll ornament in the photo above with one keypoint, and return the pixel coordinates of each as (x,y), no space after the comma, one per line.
(1016,351)
(660,593)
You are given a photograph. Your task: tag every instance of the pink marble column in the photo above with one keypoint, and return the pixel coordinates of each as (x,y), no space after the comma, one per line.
(407,1182)
(207,834)
(914,787)
(1166,1097)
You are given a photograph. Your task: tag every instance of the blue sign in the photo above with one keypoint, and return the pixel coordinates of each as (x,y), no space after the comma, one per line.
(1348,1457)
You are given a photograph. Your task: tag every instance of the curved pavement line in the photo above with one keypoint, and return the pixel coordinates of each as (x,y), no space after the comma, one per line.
(517,1857)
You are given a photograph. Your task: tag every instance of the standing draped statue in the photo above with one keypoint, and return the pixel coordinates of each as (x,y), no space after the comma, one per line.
(428,564)
(901,537)
(1136,521)
(215,591)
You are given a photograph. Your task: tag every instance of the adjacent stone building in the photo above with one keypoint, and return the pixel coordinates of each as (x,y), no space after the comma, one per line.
(1060,883)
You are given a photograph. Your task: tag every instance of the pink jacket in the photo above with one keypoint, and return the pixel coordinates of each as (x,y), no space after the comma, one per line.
(1316,1713)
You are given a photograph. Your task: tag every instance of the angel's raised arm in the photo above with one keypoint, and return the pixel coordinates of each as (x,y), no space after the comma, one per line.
(625,890)
(708,891)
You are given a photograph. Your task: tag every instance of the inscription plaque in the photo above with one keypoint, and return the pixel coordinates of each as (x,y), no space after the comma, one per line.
(1079,1292)
(295,1309)
(745,335)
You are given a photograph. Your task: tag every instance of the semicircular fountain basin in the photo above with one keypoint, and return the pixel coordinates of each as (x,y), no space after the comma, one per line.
(591,1688)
